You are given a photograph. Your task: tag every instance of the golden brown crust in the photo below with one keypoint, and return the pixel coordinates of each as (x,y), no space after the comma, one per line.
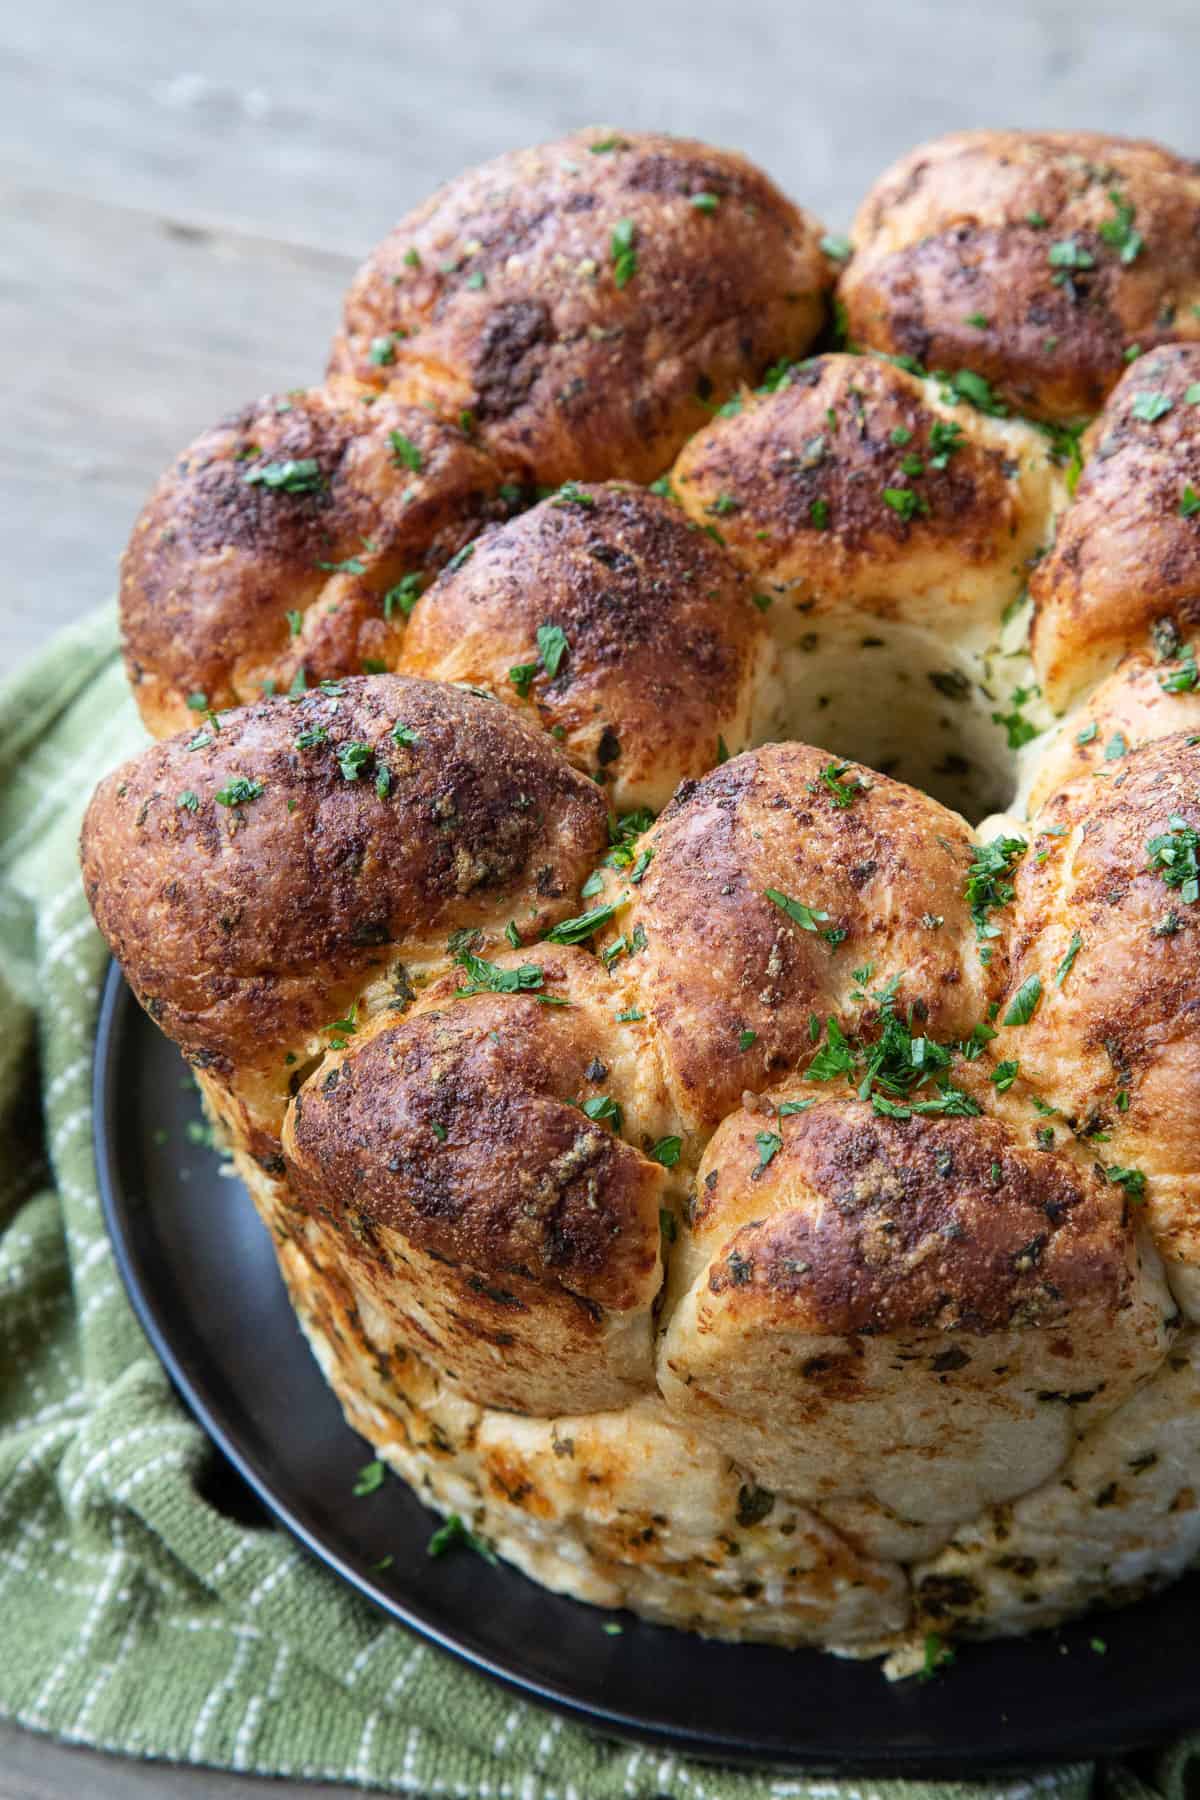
(243,927)
(663,646)
(857,486)
(731,982)
(1143,699)
(939,1224)
(1114,1041)
(1127,556)
(581,305)
(958,261)
(463,1127)
(912,1298)
(900,1307)
(500,1226)
(271,543)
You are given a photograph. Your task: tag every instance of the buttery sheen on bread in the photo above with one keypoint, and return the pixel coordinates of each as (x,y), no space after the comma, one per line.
(736,1185)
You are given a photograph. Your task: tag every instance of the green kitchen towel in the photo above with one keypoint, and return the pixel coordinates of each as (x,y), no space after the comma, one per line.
(134,1615)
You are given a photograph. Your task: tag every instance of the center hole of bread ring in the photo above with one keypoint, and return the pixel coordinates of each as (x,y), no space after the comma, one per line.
(903,702)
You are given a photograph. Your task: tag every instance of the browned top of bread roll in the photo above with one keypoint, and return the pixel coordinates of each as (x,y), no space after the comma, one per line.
(295,535)
(769,887)
(607,616)
(586,301)
(464,1127)
(1126,558)
(856,485)
(1034,259)
(248,877)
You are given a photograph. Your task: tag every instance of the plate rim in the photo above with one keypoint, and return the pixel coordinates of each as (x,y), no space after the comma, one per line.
(617,1724)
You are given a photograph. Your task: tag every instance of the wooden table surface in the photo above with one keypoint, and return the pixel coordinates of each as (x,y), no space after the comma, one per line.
(187,187)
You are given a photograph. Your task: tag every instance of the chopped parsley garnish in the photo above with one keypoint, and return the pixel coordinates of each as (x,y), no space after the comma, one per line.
(978,320)
(405,452)
(187,801)
(453,1534)
(369,1478)
(1066,254)
(311,737)
(938,1655)
(1185,678)
(944,439)
(842,794)
(353,758)
(1132,1180)
(624,252)
(1115,748)
(344,1027)
(404,595)
(667,1151)
(198,702)
(641,863)
(965,384)
(839,248)
(1149,405)
(602,146)
(667,1224)
(521,675)
(290,477)
(1068,961)
(353,565)
(383,783)
(818,512)
(835,1056)
(889,1070)
(746,1038)
(239,791)
(905,501)
(1017,727)
(552,647)
(1173,857)
(1118,232)
(382,351)
(769,1145)
(576,931)
(623,833)
(1024,1002)
(488,978)
(1066,449)
(1004,1074)
(800,914)
(988,885)
(295,622)
(1189,502)
(571,494)
(1088,734)
(600,1107)
(705,203)
(404,735)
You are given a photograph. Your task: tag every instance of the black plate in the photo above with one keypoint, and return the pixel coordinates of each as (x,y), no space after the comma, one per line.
(202,1276)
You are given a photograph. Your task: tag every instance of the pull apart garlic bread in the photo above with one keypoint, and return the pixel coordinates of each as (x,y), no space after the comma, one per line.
(675,857)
